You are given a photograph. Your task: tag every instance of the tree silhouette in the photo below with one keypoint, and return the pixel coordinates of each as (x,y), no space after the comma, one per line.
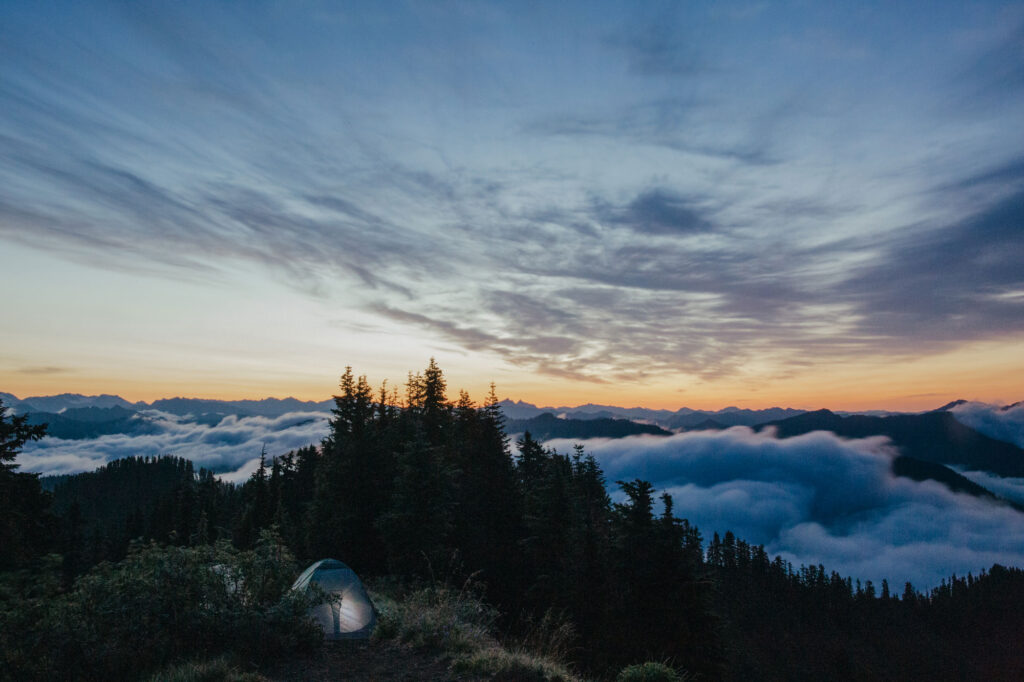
(26,528)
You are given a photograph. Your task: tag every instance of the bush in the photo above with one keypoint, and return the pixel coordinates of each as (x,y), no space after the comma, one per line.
(163,605)
(649,672)
(25,598)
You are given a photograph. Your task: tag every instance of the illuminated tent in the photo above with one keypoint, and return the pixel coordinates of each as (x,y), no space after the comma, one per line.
(348,613)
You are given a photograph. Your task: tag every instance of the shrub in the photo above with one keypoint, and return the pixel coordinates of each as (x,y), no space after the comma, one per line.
(163,605)
(25,597)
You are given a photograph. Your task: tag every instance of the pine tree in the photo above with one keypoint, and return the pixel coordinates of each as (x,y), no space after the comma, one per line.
(531,464)
(15,431)
(416,527)
(435,410)
(258,510)
(26,527)
(486,513)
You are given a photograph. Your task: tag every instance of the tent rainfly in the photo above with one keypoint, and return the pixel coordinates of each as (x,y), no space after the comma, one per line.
(349,613)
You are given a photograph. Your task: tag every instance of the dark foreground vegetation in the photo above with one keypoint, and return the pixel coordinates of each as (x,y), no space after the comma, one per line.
(107,575)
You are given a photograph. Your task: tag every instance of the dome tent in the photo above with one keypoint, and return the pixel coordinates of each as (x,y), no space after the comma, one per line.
(349,613)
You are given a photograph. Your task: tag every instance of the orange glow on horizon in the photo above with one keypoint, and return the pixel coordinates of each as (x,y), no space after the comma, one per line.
(989,372)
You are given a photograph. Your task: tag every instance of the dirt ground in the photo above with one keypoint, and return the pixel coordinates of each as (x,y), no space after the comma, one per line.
(366,662)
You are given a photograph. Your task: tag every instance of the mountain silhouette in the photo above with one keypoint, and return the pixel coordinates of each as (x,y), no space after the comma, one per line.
(930,437)
(919,470)
(684,417)
(547,426)
(91,422)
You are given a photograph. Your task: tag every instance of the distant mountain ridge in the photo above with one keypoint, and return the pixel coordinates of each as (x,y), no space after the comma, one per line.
(70,416)
(267,407)
(64,401)
(683,418)
(547,426)
(930,437)
(79,423)
(206,410)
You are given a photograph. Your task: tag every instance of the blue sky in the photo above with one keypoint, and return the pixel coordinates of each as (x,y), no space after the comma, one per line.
(672,203)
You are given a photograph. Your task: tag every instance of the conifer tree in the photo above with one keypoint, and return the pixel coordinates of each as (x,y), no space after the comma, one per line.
(417,525)
(26,527)
(435,410)
(258,511)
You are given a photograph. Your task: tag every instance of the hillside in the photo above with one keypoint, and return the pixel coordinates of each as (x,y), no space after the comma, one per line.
(91,422)
(919,470)
(931,437)
(548,426)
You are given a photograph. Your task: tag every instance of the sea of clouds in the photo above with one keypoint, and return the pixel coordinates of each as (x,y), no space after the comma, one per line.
(232,448)
(1005,424)
(818,498)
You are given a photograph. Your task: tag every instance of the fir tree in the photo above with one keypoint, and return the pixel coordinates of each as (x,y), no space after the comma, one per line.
(26,527)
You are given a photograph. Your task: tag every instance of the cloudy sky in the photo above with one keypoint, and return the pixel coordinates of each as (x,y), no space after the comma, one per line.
(670,204)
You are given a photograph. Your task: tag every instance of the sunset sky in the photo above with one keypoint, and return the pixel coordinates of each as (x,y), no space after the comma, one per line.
(700,204)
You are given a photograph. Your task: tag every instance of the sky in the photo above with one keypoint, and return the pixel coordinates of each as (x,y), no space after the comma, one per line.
(658,204)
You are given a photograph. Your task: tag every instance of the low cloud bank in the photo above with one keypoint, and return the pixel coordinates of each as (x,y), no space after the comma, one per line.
(817,498)
(1007,488)
(993,421)
(231,448)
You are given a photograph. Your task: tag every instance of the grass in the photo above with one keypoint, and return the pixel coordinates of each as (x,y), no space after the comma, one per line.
(218,670)
(456,624)
(499,663)
(439,619)
(650,672)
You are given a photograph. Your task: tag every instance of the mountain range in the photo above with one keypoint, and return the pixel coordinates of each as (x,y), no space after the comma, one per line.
(683,418)
(931,437)
(547,426)
(71,416)
(268,407)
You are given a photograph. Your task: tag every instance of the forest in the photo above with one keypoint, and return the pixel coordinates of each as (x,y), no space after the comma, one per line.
(415,487)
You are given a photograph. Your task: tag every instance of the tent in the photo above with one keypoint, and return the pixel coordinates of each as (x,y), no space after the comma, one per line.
(349,613)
